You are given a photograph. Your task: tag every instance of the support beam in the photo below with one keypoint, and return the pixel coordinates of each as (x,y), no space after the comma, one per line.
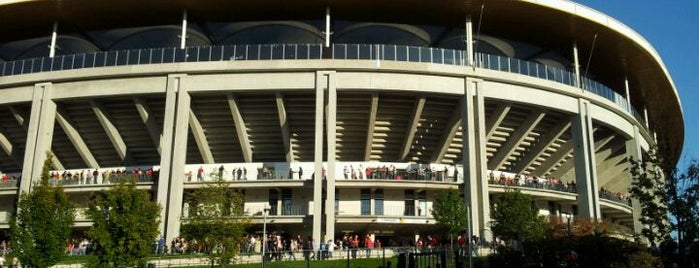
(449,133)
(414,123)
(370,126)
(327,27)
(284,127)
(473,156)
(322,83)
(585,166)
(170,187)
(148,119)
(515,139)
(6,145)
(39,134)
(634,151)
(576,65)
(111,131)
(183,35)
(76,140)
(499,115)
(200,138)
(331,129)
(569,164)
(470,54)
(54,37)
(19,118)
(545,141)
(240,128)
(25,125)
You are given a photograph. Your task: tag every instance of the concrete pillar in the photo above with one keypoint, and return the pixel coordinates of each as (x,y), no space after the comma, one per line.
(183,35)
(576,65)
(331,123)
(633,151)
(327,27)
(322,79)
(174,153)
(474,160)
(39,135)
(628,95)
(585,166)
(470,54)
(54,36)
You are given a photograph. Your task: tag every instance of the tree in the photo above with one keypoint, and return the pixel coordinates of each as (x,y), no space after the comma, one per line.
(516,218)
(42,224)
(450,211)
(648,187)
(682,193)
(216,221)
(125,225)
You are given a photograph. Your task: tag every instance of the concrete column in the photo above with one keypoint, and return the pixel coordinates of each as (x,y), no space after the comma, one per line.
(322,79)
(576,65)
(39,135)
(54,36)
(645,117)
(183,35)
(585,166)
(327,27)
(470,54)
(633,151)
(474,161)
(331,123)
(628,95)
(482,162)
(174,153)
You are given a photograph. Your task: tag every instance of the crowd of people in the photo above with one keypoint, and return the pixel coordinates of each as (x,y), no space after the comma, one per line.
(551,183)
(107,176)
(390,172)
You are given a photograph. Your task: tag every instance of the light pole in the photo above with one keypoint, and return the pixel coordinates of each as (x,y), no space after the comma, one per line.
(264,233)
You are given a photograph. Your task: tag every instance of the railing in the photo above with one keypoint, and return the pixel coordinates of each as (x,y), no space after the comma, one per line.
(561,187)
(379,52)
(12,183)
(391,211)
(284,210)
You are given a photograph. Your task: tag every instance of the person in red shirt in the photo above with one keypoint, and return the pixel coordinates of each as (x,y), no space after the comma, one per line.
(369,245)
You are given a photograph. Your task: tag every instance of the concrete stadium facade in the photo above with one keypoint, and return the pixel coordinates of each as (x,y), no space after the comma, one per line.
(392,102)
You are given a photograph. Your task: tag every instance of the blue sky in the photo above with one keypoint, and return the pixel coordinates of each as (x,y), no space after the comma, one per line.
(672,27)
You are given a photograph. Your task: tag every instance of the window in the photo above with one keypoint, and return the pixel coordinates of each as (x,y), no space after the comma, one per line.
(337,200)
(422,203)
(409,203)
(273,199)
(378,202)
(287,205)
(365,199)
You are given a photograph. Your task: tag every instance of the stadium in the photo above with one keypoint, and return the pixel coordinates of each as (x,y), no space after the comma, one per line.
(393,102)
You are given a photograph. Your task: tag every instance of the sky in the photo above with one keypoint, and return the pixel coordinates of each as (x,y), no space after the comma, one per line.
(672,27)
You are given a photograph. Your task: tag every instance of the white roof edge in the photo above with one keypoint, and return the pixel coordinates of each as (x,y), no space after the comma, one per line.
(613,24)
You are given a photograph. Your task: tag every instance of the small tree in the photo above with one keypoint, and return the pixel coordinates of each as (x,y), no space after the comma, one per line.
(450,211)
(648,187)
(125,224)
(216,221)
(42,225)
(515,217)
